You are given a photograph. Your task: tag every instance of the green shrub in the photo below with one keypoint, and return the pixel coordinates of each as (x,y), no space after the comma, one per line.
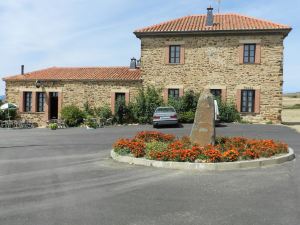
(72,115)
(90,122)
(145,104)
(187,103)
(88,110)
(155,146)
(53,126)
(228,112)
(190,101)
(103,112)
(12,114)
(120,109)
(186,117)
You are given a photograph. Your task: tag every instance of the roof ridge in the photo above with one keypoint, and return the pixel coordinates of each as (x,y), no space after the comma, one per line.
(89,67)
(162,23)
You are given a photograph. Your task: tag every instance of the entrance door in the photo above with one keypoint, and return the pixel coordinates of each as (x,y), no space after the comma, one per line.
(53,105)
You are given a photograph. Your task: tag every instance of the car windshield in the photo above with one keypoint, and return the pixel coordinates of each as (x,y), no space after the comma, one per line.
(164,110)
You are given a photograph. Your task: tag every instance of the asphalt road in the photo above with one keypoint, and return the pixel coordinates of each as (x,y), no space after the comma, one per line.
(66,177)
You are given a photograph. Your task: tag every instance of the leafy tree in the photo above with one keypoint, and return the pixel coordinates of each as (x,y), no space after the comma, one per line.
(145,104)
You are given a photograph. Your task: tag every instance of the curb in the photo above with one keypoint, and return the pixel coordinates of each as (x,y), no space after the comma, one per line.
(257,163)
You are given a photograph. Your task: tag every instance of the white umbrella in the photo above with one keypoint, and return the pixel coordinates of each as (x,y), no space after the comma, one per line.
(8,106)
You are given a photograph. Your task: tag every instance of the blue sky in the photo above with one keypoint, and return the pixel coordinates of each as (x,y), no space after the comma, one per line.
(43,33)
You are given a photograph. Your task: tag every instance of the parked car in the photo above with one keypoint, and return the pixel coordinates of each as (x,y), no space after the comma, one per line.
(165,116)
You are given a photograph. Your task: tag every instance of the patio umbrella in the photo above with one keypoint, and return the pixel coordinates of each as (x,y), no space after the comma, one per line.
(8,106)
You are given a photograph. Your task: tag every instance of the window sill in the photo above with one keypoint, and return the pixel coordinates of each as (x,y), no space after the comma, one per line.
(250,64)
(248,113)
(174,64)
(32,112)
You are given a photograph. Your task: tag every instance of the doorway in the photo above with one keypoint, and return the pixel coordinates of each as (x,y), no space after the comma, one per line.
(53,114)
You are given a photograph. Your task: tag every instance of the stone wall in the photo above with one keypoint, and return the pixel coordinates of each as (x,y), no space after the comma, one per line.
(213,61)
(95,93)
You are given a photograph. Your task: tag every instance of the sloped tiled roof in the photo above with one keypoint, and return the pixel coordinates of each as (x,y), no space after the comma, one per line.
(222,22)
(80,73)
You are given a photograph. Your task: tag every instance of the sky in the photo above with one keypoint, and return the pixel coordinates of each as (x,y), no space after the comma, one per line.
(43,33)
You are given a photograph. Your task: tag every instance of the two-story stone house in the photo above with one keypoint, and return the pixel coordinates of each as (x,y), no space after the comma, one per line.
(237,57)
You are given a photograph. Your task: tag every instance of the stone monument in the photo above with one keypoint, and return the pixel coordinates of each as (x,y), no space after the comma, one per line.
(203,131)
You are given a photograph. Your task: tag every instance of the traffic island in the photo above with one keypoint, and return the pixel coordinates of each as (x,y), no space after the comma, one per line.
(164,151)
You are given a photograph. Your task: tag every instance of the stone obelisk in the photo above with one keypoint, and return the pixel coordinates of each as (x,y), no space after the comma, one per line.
(203,131)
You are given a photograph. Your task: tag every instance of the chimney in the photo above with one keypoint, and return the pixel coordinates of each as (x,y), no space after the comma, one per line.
(210,17)
(138,63)
(22,69)
(133,63)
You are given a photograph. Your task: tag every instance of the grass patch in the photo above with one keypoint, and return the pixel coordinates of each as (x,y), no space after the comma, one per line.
(296,106)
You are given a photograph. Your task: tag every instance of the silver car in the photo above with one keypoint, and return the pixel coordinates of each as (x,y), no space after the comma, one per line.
(165,116)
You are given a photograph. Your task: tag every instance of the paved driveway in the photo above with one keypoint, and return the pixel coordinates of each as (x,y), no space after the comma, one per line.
(66,177)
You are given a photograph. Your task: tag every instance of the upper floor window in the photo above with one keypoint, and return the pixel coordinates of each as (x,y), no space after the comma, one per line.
(173,93)
(247,101)
(174,54)
(27,101)
(249,53)
(40,101)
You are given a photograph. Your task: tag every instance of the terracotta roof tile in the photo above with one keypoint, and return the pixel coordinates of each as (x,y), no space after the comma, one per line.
(80,73)
(222,22)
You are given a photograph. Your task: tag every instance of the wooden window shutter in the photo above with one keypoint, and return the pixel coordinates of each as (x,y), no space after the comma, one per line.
(182,54)
(238,100)
(258,54)
(21,101)
(165,95)
(167,55)
(241,54)
(257,101)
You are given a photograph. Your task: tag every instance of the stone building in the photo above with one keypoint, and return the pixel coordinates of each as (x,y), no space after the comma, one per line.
(236,57)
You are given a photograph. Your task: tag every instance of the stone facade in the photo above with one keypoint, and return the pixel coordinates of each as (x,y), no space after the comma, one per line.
(95,93)
(214,62)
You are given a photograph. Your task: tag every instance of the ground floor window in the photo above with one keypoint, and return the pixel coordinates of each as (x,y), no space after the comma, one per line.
(217,93)
(247,101)
(173,93)
(40,96)
(120,98)
(27,101)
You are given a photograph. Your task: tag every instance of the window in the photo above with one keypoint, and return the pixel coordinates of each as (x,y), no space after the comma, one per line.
(120,98)
(247,101)
(173,93)
(249,53)
(174,54)
(217,93)
(40,101)
(27,101)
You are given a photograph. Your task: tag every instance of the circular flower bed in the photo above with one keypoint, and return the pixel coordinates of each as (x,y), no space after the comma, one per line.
(165,147)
